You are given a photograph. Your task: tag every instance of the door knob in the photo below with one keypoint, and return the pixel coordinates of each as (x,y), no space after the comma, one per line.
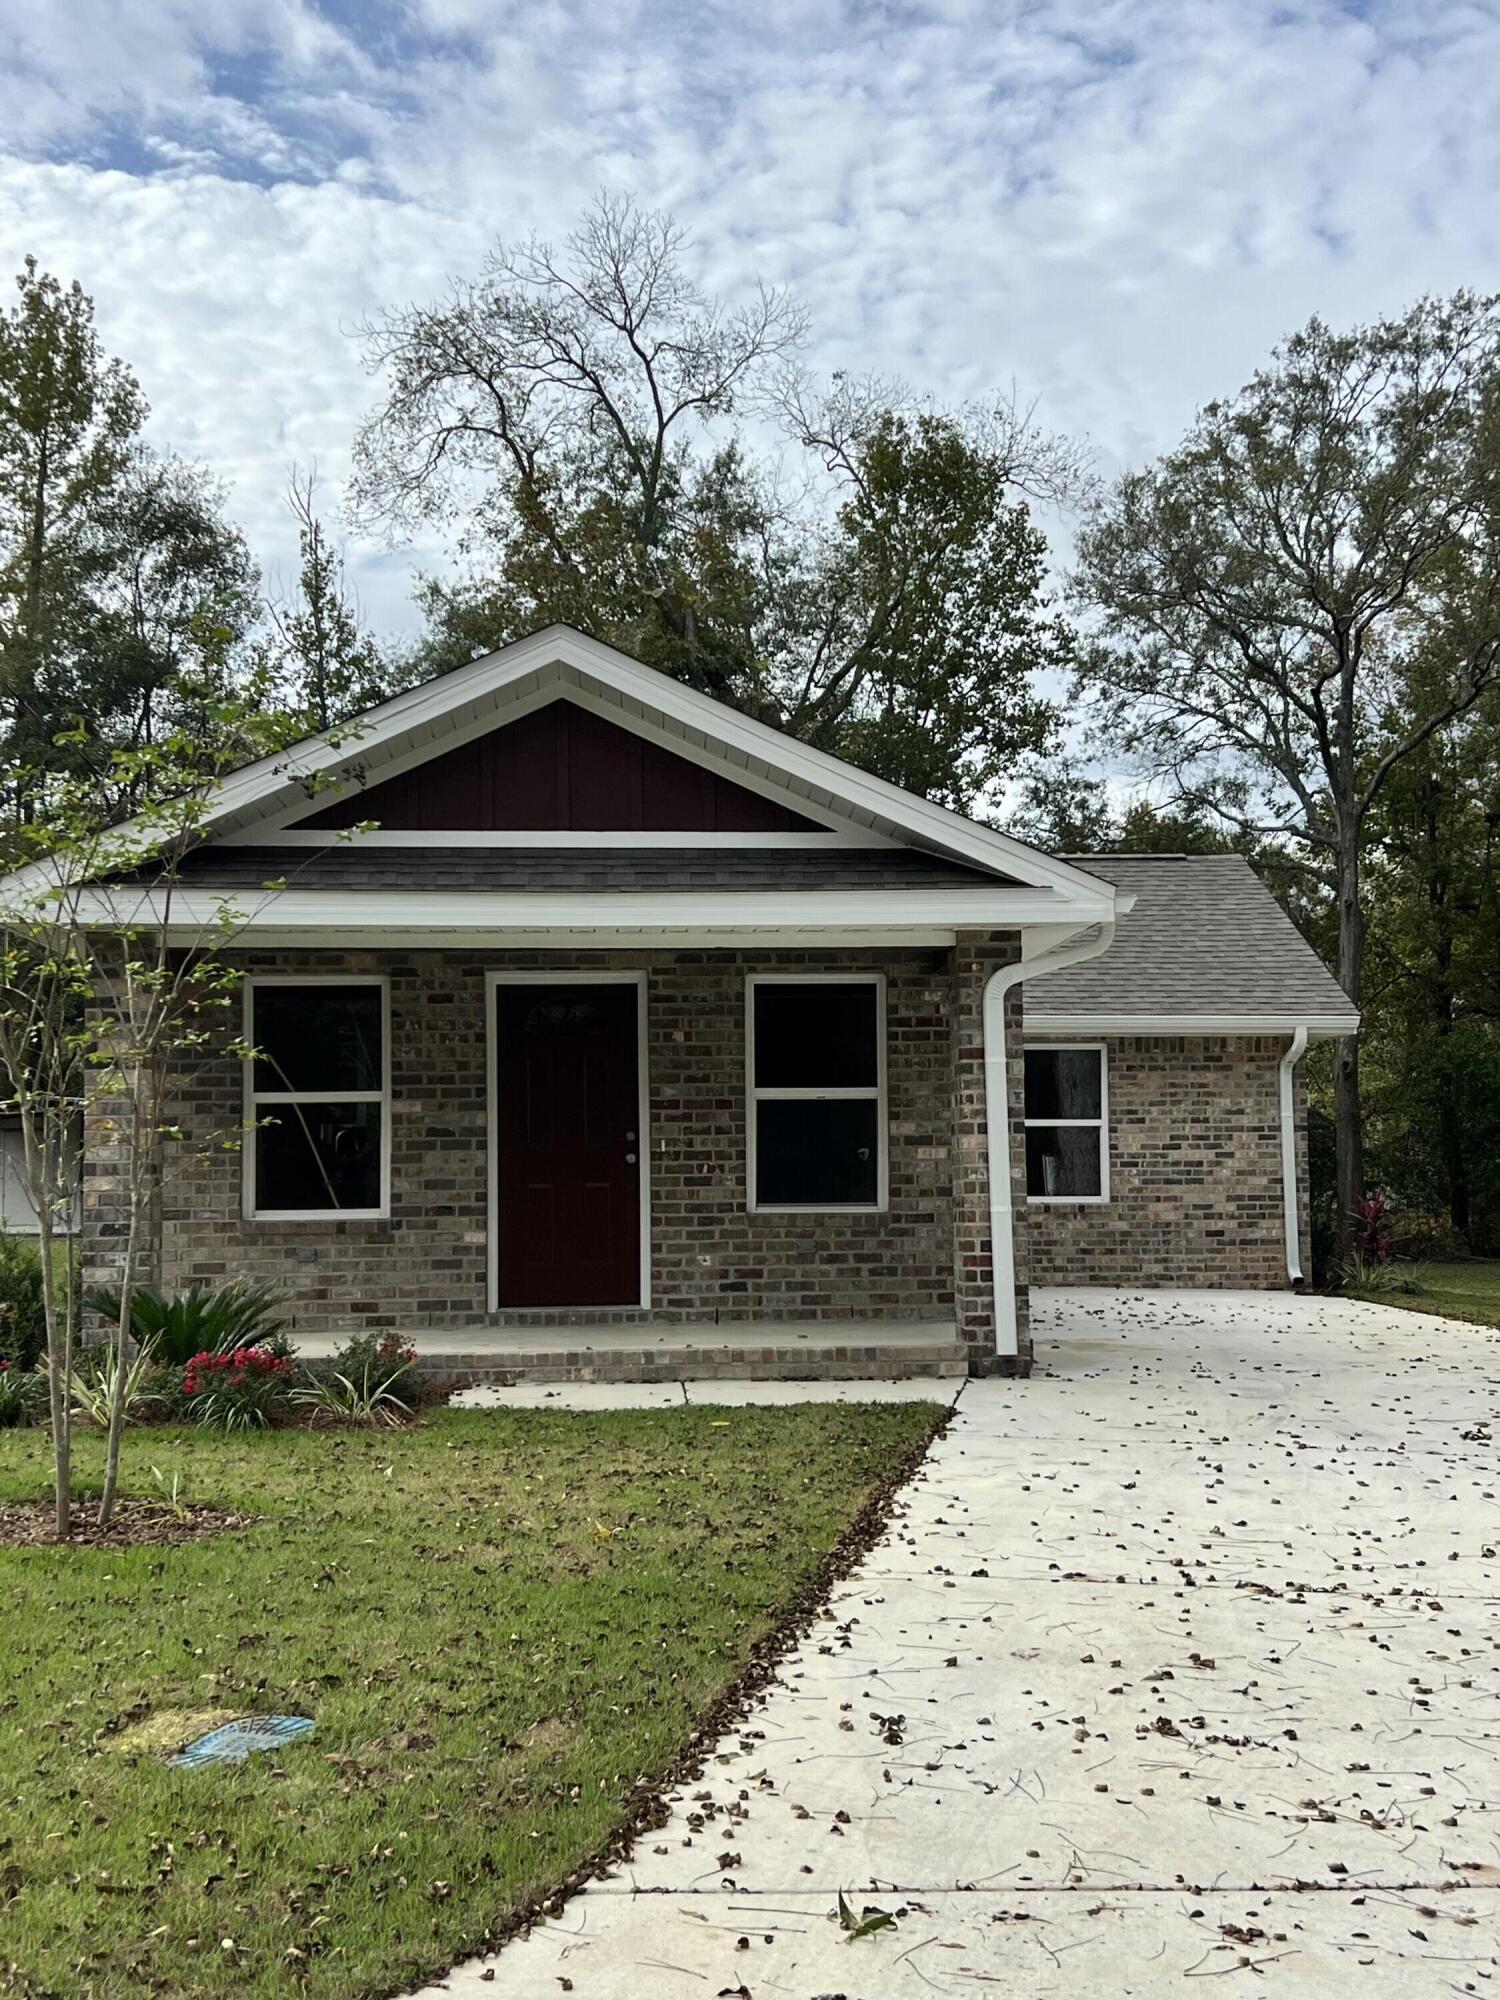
(630,1159)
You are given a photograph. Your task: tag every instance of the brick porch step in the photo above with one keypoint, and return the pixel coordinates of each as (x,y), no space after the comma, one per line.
(790,1351)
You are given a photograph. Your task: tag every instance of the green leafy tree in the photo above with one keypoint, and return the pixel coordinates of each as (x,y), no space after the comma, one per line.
(70,419)
(110,553)
(1432,1037)
(1320,546)
(331,667)
(175,566)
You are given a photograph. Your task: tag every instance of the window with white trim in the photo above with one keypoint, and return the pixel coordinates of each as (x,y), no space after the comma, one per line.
(815,1058)
(1067,1122)
(317,1098)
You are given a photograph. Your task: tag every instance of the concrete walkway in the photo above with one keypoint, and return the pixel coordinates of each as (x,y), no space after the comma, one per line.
(1181,1660)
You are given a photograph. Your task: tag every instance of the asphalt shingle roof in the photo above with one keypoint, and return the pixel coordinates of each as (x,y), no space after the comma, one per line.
(549,870)
(1205,937)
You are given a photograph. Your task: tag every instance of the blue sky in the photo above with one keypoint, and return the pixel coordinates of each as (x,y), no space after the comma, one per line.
(1114,205)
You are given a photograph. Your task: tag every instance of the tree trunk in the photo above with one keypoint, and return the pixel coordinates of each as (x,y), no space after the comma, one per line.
(1348,1128)
(59,1381)
(119,1340)
(1443,1007)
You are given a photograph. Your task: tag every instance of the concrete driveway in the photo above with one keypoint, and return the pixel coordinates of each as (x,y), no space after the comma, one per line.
(1181,1660)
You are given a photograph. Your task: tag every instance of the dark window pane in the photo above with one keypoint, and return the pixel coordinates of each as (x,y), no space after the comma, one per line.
(1062,1160)
(815,1037)
(817,1150)
(318,1156)
(1063,1083)
(316,1037)
(577,1011)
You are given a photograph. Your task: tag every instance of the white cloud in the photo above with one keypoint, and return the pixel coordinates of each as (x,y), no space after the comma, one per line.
(1119,205)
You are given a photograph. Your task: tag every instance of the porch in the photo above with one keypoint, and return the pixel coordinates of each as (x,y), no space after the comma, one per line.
(769,1351)
(757,1161)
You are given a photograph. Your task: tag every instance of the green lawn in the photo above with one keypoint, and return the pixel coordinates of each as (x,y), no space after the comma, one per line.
(1469,1290)
(505,1623)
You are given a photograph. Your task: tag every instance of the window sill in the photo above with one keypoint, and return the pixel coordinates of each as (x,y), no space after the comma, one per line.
(318,1215)
(817,1208)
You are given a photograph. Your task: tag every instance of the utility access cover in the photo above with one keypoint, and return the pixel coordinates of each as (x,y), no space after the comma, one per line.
(233,1742)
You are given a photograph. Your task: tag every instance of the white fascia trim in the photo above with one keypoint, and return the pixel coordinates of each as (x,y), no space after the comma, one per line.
(269,781)
(1318,1027)
(1291,1207)
(319,911)
(997,1115)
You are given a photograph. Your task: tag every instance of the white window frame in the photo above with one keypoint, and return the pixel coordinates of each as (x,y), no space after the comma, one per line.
(254,1098)
(1099,1124)
(878,1092)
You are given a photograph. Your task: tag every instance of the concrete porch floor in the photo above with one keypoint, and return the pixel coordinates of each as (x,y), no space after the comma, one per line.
(786,1350)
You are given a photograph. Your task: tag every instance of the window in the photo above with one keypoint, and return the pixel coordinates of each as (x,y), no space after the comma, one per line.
(816,1061)
(18,1217)
(317,1095)
(1067,1123)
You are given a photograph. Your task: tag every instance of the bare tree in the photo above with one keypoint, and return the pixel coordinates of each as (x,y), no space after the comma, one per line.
(882,596)
(603,352)
(1305,592)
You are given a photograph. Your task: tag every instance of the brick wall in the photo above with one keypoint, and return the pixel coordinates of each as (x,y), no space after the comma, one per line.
(426,1265)
(1195,1171)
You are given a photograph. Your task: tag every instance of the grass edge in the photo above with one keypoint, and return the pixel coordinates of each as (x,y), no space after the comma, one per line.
(648,1807)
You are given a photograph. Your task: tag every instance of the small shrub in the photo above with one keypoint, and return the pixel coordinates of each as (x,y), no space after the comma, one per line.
(149,1390)
(170,1490)
(359,1386)
(243,1390)
(1384,1275)
(23,1396)
(23,1323)
(204,1319)
(379,1358)
(1371,1217)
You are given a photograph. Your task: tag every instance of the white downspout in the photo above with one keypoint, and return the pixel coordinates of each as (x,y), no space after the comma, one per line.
(997,1120)
(1289,1201)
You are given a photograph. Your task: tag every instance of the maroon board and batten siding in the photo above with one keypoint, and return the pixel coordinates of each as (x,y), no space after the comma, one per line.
(562,768)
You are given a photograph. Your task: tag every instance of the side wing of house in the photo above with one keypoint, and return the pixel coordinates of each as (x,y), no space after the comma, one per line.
(1165,1115)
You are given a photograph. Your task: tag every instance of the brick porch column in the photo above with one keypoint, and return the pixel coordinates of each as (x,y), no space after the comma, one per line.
(976,955)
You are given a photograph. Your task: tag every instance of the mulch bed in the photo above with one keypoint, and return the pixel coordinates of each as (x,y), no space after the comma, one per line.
(137,1523)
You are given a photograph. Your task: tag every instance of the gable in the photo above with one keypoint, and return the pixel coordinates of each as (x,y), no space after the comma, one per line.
(561,768)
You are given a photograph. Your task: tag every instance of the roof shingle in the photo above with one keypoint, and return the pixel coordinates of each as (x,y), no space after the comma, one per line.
(548,870)
(1205,938)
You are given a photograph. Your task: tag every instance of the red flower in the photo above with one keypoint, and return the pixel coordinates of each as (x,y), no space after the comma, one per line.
(242,1369)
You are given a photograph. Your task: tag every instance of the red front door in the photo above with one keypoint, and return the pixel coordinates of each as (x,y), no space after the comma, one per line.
(569,1145)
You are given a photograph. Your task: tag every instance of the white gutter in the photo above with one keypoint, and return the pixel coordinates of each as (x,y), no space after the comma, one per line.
(997,1119)
(1320,1027)
(1289,1201)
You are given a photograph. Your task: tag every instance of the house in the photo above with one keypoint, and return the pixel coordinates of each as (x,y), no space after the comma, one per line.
(635,1025)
